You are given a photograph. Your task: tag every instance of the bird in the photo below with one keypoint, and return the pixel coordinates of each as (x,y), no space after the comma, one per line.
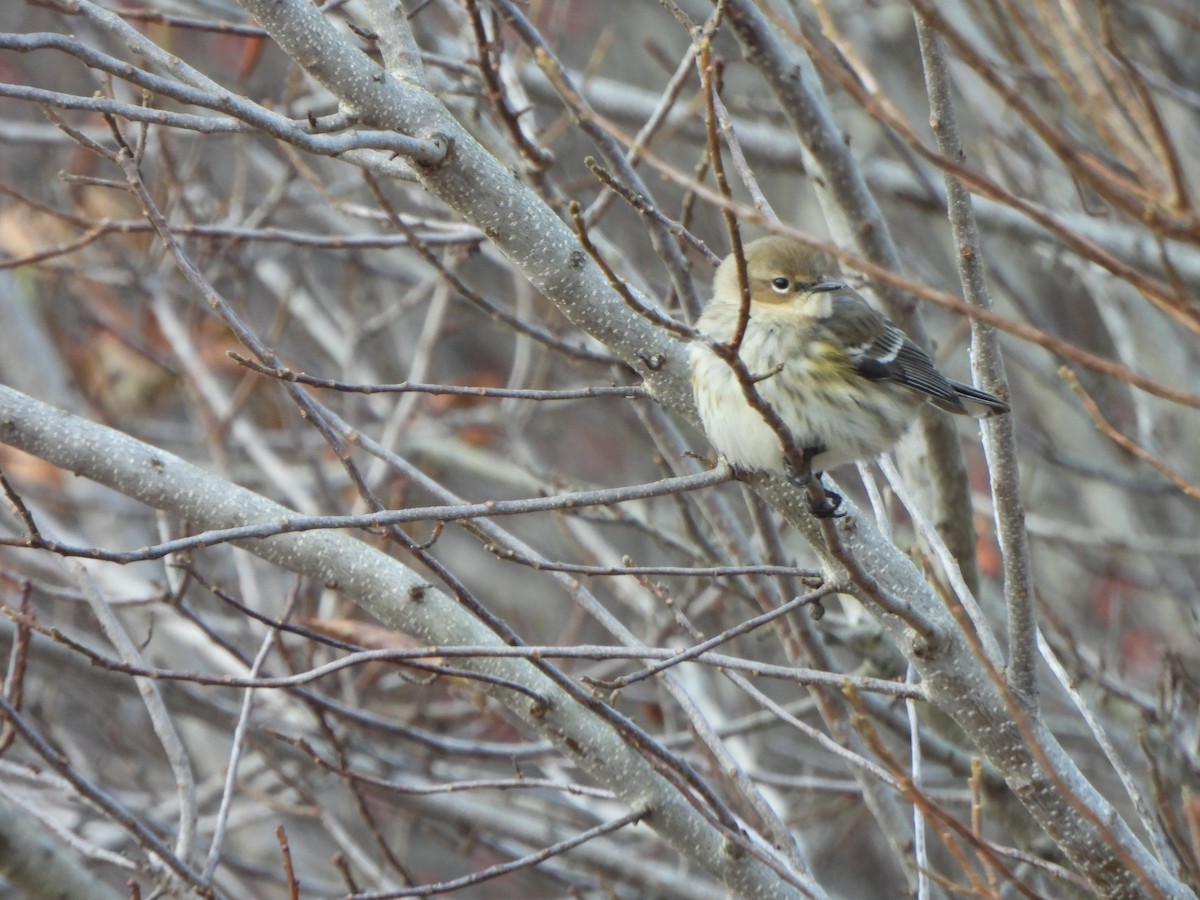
(843,380)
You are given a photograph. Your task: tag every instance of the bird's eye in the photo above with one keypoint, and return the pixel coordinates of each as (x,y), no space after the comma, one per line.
(780,284)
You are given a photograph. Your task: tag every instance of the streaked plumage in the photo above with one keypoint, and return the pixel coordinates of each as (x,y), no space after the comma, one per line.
(848,384)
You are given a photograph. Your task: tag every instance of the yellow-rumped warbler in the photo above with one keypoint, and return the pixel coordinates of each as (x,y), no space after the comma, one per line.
(845,382)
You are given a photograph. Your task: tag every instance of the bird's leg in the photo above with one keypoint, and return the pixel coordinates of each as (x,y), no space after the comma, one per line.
(802,476)
(822,503)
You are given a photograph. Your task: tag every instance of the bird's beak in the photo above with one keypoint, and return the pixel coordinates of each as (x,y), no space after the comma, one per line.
(822,287)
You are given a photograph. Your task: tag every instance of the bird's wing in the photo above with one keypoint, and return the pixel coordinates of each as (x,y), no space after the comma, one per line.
(880,351)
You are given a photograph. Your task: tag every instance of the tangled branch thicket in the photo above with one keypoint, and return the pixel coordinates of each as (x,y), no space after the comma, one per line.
(358,539)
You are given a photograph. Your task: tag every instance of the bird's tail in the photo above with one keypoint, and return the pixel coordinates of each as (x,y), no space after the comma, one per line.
(975,403)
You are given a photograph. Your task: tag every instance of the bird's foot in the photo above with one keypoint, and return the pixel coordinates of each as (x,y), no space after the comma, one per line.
(824,503)
(799,479)
(803,475)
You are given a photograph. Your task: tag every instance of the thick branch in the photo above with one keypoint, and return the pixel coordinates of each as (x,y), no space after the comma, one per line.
(396,596)
(999,435)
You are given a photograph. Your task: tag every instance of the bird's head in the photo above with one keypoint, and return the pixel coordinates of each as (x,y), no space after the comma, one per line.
(780,271)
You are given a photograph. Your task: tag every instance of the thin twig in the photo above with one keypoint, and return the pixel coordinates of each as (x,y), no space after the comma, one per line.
(619,285)
(1122,440)
(142,834)
(525,862)
(282,373)
(725,636)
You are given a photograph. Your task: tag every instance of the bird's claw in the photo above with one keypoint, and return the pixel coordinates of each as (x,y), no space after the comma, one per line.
(827,505)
